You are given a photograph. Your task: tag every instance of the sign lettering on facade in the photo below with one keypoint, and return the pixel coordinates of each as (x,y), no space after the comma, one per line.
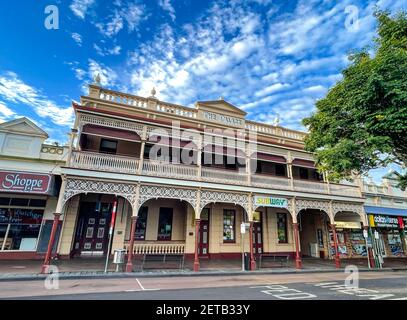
(24,182)
(211,116)
(270,202)
(348,224)
(382,221)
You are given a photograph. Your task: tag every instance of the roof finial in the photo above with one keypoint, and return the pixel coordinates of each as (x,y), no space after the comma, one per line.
(96,79)
(153,92)
(277,120)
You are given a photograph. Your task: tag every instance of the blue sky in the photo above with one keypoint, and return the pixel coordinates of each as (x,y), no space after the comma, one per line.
(270,58)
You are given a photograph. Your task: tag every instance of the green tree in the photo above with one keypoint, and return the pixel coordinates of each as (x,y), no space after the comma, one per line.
(361,124)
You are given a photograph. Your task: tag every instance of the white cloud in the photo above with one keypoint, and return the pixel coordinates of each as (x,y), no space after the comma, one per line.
(107,52)
(79,73)
(80,7)
(113,27)
(271,89)
(15,90)
(77,38)
(108,77)
(6,111)
(166,5)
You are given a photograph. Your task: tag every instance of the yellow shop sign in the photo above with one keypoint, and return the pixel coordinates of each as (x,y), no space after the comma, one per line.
(270,202)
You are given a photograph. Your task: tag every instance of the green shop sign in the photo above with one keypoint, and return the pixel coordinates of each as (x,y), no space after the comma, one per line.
(270,202)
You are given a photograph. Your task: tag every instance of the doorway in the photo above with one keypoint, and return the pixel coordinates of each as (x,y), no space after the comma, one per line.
(203,248)
(91,237)
(257,233)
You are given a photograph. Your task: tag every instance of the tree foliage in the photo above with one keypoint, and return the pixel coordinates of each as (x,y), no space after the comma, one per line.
(361,124)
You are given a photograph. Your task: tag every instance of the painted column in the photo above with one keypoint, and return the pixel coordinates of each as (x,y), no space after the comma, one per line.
(298,261)
(140,168)
(57,214)
(129,265)
(252,261)
(337,261)
(196,258)
(369,253)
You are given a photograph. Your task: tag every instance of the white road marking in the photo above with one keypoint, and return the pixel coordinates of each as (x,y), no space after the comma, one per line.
(142,288)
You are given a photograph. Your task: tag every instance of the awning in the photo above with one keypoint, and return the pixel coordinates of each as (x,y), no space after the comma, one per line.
(386,211)
(268,157)
(303,163)
(108,132)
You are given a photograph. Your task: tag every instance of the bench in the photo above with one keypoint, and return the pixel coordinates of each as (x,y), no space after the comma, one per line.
(163,258)
(281,258)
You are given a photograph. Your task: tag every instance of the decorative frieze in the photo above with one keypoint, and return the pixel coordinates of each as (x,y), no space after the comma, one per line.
(78,186)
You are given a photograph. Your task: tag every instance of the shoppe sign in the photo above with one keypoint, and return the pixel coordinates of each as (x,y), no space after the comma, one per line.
(261,201)
(382,221)
(24,182)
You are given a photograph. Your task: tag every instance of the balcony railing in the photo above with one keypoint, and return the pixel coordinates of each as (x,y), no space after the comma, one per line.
(165,169)
(154,247)
(223,176)
(103,162)
(266,181)
(129,165)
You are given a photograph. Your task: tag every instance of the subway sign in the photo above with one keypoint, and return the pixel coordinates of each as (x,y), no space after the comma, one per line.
(24,182)
(261,201)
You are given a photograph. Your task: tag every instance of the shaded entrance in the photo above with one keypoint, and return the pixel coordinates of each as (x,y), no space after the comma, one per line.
(314,234)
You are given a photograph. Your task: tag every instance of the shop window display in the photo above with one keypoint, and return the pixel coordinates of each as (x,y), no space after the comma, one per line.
(19,228)
(395,244)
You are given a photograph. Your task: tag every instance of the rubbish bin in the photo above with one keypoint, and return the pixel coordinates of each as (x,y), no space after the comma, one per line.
(118,257)
(246,261)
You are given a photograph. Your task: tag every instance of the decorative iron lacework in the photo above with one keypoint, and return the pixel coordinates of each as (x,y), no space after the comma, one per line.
(215,196)
(154,192)
(301,204)
(77,186)
(350,207)
(111,123)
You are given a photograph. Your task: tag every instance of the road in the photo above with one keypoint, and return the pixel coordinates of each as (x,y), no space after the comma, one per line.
(315,286)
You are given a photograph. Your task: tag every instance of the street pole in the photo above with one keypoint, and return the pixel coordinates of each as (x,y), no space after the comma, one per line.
(112,222)
(243,252)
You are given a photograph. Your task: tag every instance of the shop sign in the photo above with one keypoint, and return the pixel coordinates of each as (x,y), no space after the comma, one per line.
(401,223)
(382,221)
(347,225)
(270,202)
(24,182)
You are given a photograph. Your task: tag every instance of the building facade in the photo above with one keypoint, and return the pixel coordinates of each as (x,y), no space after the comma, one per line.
(184,179)
(386,207)
(29,185)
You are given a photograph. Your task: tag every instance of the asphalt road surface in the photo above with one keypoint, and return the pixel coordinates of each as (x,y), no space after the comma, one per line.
(315,286)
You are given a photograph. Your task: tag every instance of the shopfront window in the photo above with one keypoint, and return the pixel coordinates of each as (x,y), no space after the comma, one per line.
(141,224)
(19,228)
(165,224)
(395,243)
(229,225)
(282,228)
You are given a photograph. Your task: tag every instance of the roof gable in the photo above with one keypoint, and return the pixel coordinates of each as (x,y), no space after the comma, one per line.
(23,126)
(221,106)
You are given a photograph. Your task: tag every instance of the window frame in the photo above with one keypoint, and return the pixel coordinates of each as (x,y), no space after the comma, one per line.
(108,150)
(282,214)
(143,211)
(159,223)
(225,211)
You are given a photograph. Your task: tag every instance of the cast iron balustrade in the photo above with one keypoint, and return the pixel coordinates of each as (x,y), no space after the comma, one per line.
(103,162)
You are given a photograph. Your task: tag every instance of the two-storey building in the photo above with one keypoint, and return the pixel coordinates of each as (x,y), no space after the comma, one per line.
(29,185)
(185,179)
(386,207)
